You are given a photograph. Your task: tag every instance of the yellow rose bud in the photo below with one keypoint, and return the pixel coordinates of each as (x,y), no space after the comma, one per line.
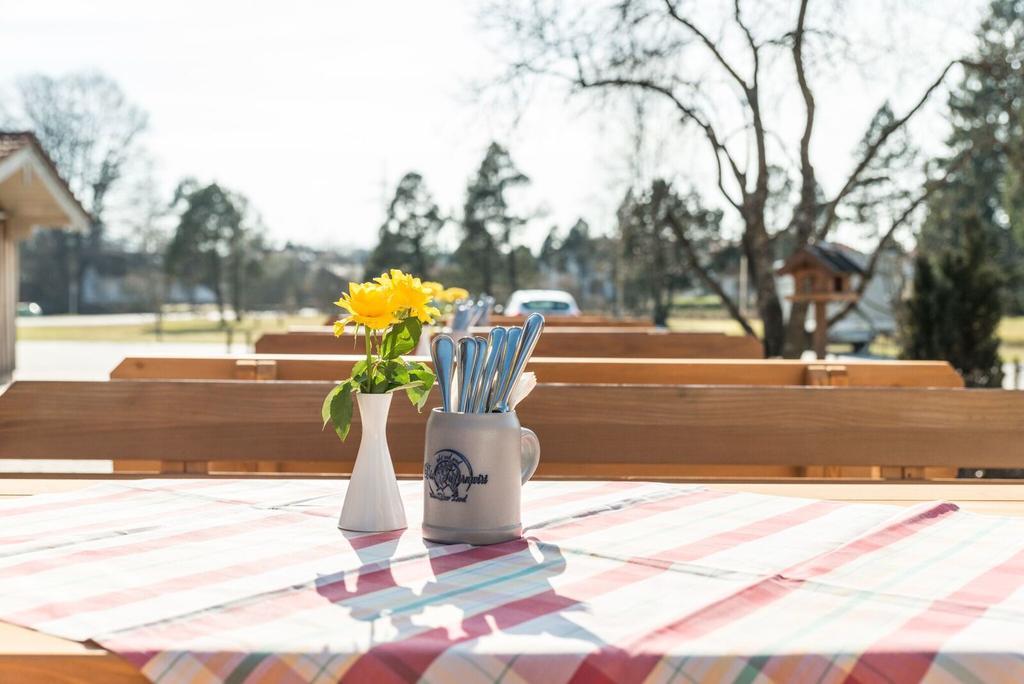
(454,294)
(436,289)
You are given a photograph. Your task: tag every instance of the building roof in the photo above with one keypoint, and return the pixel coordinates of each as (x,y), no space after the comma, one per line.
(834,257)
(22,150)
(13,141)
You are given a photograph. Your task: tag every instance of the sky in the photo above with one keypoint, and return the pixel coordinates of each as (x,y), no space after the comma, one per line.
(314,110)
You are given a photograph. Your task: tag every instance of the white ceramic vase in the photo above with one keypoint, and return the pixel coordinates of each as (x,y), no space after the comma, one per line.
(372,502)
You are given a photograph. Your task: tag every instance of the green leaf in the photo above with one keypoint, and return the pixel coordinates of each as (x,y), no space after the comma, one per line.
(359,374)
(423,382)
(397,375)
(415,327)
(402,338)
(378,381)
(337,408)
(325,410)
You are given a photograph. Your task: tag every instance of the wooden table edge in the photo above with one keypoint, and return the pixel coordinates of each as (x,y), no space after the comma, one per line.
(28,656)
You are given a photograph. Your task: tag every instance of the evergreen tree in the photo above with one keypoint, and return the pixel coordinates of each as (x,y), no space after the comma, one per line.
(216,243)
(584,264)
(661,233)
(409,233)
(488,225)
(550,254)
(653,269)
(986,163)
(578,252)
(527,268)
(575,257)
(955,310)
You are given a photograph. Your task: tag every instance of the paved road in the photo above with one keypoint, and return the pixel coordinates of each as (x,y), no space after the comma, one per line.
(64,360)
(135,318)
(100,319)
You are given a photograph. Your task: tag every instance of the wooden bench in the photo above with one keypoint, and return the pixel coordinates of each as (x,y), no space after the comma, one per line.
(581,371)
(855,373)
(590,431)
(562,321)
(555,342)
(576,321)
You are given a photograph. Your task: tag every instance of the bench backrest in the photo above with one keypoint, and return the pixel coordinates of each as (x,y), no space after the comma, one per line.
(585,430)
(567,370)
(562,321)
(576,321)
(556,342)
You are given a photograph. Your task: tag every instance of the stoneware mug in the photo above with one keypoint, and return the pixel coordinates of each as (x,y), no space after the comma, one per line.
(474,468)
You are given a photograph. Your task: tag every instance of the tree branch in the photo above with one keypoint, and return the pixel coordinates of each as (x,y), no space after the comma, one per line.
(718,148)
(851,182)
(754,47)
(804,218)
(898,222)
(705,275)
(869,271)
(750,90)
(710,44)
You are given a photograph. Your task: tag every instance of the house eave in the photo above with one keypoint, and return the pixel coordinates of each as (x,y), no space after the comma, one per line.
(29,159)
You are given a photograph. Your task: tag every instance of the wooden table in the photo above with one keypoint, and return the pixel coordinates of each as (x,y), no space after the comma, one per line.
(28,656)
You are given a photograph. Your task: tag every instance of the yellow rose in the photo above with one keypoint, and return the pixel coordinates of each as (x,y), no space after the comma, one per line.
(408,294)
(436,289)
(367,304)
(454,294)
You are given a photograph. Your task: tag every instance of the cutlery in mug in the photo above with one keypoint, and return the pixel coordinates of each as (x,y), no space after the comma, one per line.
(442,351)
(532,329)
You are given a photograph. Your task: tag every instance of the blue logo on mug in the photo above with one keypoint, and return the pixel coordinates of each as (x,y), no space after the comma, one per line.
(450,476)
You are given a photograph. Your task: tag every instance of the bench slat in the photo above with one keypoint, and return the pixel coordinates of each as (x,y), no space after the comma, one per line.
(618,425)
(597,342)
(570,370)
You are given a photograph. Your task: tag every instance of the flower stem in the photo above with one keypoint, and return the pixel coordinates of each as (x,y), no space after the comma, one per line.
(369,362)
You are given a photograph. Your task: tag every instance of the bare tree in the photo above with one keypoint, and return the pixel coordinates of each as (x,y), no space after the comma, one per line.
(714,80)
(148,218)
(90,130)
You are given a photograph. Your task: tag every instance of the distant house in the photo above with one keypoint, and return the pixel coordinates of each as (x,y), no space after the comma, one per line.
(118,280)
(32,195)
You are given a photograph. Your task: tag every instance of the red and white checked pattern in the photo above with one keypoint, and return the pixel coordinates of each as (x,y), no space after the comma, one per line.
(235,581)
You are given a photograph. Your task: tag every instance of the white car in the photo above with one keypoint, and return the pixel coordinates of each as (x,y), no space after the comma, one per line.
(29,309)
(547,302)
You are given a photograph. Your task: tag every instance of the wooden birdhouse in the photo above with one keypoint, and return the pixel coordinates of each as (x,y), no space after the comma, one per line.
(822,273)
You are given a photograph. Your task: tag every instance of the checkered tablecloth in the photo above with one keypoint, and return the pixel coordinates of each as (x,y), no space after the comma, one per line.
(236,581)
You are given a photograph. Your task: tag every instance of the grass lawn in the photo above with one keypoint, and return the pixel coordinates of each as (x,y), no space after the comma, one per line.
(712,324)
(1011,331)
(192,330)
